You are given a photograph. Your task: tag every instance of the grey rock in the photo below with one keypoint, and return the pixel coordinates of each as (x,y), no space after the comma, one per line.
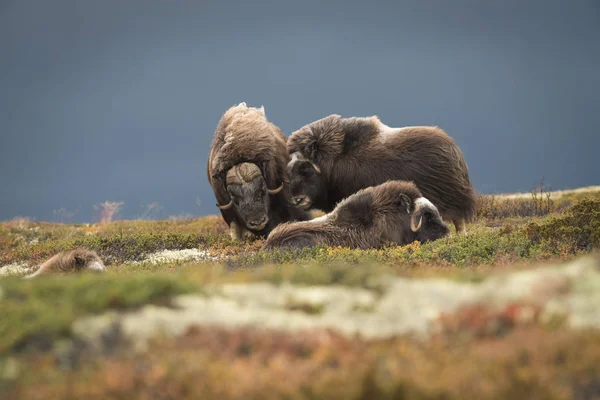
(406,307)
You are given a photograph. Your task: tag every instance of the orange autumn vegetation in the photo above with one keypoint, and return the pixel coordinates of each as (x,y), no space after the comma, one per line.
(209,363)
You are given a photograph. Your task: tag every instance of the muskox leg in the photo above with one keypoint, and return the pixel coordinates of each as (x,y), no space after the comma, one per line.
(461,227)
(239,232)
(235,231)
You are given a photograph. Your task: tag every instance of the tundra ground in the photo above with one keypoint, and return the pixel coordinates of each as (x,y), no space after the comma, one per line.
(509,311)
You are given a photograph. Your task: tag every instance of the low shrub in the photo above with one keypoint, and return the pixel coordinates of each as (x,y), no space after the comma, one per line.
(578,229)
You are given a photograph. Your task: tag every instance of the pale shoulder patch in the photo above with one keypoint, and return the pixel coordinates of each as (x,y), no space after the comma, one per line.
(407,128)
(321,219)
(387,131)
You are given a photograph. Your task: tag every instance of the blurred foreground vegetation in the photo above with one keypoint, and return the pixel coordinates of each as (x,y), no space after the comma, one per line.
(509,233)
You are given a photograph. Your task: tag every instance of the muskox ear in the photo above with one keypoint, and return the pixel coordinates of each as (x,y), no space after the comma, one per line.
(404,202)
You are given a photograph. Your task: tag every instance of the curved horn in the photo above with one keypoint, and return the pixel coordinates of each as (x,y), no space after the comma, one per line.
(316,167)
(412,223)
(275,191)
(226,206)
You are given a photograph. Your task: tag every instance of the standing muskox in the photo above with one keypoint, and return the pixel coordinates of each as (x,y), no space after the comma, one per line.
(247,171)
(394,212)
(73,261)
(334,157)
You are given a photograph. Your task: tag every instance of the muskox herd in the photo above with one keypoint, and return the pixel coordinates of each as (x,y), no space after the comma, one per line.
(377,185)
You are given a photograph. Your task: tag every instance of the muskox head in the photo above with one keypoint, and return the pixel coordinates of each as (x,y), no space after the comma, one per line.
(306,181)
(249,195)
(426,222)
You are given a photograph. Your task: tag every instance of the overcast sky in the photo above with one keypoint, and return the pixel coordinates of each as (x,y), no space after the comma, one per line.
(118,100)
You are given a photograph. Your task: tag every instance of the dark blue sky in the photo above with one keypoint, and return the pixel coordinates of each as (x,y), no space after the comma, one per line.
(118,100)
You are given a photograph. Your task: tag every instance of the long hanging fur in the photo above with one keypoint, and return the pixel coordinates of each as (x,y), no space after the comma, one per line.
(73,261)
(358,152)
(371,218)
(245,135)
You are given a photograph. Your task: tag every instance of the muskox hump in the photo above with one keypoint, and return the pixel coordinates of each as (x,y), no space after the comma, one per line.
(357,210)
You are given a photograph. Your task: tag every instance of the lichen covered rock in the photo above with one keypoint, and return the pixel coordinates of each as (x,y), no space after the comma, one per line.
(416,307)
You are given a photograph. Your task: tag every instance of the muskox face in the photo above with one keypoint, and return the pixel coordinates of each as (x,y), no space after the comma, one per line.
(306,181)
(249,195)
(426,222)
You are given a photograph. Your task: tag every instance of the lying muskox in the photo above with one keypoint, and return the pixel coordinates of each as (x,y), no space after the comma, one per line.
(394,212)
(334,157)
(247,171)
(73,261)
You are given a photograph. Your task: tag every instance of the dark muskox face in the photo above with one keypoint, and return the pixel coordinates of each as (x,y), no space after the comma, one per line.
(249,195)
(251,202)
(426,222)
(306,182)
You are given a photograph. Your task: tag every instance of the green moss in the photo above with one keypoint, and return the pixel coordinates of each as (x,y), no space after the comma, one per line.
(305,307)
(309,273)
(43,309)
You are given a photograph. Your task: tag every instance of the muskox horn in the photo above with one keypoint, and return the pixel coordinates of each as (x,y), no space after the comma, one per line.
(412,223)
(275,191)
(316,167)
(226,206)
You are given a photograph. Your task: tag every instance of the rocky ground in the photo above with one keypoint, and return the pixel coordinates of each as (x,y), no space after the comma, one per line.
(510,311)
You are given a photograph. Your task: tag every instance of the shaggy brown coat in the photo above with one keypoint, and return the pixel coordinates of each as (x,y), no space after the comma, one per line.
(244,135)
(73,261)
(394,212)
(350,154)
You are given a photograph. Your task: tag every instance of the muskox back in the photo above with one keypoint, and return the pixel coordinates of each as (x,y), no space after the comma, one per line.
(248,150)
(394,212)
(350,154)
(70,262)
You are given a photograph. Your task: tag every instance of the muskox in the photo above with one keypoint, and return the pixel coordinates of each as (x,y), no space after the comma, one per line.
(394,212)
(334,157)
(247,171)
(73,261)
